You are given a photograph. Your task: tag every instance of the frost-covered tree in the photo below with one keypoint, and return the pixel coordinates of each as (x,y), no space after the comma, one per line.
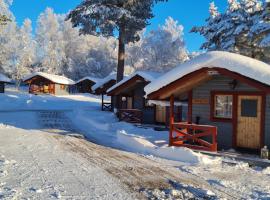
(99,60)
(4,20)
(235,29)
(161,49)
(8,39)
(50,43)
(25,52)
(106,17)
(5,14)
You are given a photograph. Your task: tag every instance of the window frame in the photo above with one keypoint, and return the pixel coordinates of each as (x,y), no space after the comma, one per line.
(213,117)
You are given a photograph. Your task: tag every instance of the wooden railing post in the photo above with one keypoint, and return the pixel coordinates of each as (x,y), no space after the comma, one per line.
(102,102)
(171,119)
(214,139)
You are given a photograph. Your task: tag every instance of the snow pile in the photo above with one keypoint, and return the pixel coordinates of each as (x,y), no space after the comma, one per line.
(89,78)
(104,81)
(98,125)
(5,79)
(246,66)
(147,76)
(267,171)
(12,100)
(54,78)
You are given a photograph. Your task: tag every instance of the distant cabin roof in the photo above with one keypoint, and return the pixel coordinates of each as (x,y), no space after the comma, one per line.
(54,78)
(103,81)
(5,79)
(147,76)
(243,65)
(95,80)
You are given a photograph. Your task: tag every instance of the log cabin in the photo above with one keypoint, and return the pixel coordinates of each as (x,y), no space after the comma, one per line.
(228,102)
(85,84)
(3,81)
(101,87)
(133,107)
(43,83)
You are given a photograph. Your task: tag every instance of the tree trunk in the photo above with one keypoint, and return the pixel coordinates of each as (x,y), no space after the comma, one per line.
(121,63)
(121,55)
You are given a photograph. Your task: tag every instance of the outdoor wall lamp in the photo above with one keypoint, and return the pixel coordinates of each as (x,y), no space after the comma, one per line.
(233,84)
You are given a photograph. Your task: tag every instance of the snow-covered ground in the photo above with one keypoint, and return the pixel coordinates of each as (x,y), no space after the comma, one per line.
(38,159)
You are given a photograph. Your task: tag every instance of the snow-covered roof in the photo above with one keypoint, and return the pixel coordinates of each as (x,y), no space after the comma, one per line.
(5,79)
(88,78)
(243,65)
(147,76)
(104,81)
(54,78)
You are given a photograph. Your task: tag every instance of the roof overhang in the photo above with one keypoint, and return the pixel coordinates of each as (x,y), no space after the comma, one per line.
(127,86)
(196,78)
(102,89)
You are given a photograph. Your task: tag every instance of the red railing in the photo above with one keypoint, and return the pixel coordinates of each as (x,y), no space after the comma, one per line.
(194,136)
(130,115)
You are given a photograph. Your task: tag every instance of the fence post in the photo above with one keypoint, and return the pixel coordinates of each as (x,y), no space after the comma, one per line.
(171,119)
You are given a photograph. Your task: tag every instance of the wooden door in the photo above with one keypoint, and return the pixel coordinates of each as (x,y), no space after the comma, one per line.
(249,110)
(129,102)
(160,114)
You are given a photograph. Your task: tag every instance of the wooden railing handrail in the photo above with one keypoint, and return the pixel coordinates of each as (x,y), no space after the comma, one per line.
(192,136)
(186,124)
(131,115)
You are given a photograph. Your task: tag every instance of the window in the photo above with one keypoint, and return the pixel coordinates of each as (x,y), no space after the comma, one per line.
(223,106)
(63,87)
(249,107)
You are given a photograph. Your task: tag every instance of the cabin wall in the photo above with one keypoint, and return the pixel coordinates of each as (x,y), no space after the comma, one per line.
(61,89)
(267,121)
(139,103)
(2,87)
(85,86)
(225,129)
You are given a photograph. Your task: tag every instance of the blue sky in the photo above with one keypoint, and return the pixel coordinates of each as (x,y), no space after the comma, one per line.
(187,12)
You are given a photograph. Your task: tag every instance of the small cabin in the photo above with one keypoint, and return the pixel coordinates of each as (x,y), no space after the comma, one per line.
(85,84)
(43,83)
(228,97)
(101,87)
(3,81)
(131,103)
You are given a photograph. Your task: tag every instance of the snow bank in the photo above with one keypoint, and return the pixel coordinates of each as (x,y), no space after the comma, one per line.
(267,171)
(12,100)
(105,129)
(5,79)
(147,76)
(246,66)
(54,78)
(141,145)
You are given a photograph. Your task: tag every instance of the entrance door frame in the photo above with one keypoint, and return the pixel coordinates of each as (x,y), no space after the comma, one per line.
(234,120)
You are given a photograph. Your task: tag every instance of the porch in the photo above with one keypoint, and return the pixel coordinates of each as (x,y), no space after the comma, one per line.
(190,135)
(131,115)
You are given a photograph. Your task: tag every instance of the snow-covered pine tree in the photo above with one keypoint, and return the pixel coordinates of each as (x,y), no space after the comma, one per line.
(106,17)
(235,29)
(260,31)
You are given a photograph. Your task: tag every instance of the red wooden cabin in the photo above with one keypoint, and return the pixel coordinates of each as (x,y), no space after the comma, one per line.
(85,84)
(228,102)
(43,83)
